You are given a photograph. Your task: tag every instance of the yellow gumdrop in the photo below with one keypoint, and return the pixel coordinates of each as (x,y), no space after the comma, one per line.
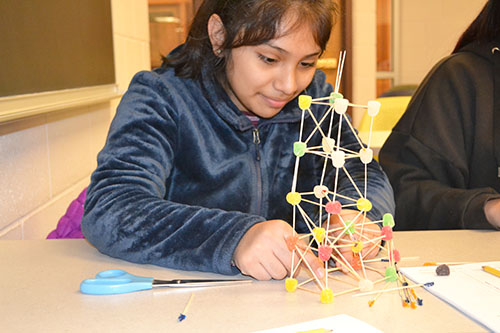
(291,285)
(357,247)
(305,101)
(326,296)
(364,204)
(319,234)
(293,198)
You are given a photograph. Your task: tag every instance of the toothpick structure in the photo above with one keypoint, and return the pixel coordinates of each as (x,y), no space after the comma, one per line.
(330,241)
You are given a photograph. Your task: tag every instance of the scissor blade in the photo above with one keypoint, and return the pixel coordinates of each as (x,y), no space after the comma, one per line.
(191,283)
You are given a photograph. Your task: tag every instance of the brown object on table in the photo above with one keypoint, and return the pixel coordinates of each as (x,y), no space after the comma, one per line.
(443,270)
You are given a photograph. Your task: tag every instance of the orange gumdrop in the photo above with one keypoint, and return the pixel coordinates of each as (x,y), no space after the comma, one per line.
(291,242)
(356,261)
(370,303)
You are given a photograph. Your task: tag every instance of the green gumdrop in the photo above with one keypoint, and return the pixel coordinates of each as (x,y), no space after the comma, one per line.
(388,220)
(350,228)
(299,148)
(334,96)
(391,274)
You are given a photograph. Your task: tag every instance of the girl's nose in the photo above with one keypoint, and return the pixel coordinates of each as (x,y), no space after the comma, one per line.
(286,81)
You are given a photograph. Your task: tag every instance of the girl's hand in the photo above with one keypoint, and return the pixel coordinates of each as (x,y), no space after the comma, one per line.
(492,212)
(263,253)
(365,234)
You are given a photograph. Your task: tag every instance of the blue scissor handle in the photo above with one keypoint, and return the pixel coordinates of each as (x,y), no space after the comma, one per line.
(115,281)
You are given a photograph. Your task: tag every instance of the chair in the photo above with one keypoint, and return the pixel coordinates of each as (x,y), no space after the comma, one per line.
(400,90)
(391,109)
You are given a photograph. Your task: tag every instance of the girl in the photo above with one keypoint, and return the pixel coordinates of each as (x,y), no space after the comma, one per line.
(443,156)
(199,156)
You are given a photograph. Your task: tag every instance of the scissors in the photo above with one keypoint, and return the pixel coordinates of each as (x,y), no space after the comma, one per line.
(117,281)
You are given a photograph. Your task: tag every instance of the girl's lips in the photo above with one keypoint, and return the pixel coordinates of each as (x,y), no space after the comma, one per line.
(276,103)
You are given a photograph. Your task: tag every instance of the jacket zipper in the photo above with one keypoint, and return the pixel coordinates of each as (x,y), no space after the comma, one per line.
(256,141)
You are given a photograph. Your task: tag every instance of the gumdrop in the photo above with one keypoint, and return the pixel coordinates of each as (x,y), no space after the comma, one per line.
(388,220)
(391,274)
(293,198)
(305,102)
(386,232)
(349,229)
(299,148)
(334,96)
(319,234)
(396,256)
(341,105)
(291,242)
(443,270)
(333,207)
(291,285)
(324,252)
(365,285)
(364,204)
(326,296)
(356,261)
(357,247)
(366,155)
(320,191)
(338,158)
(373,108)
(328,144)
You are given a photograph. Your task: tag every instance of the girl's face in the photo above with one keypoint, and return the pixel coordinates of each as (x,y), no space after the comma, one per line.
(263,78)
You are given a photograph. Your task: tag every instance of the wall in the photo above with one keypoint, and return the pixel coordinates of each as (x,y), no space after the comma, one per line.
(429,30)
(364,53)
(46,161)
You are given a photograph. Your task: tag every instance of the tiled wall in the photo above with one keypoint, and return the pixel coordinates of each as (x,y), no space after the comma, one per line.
(45,161)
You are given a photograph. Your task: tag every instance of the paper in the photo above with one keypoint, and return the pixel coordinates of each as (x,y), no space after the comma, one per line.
(340,323)
(468,288)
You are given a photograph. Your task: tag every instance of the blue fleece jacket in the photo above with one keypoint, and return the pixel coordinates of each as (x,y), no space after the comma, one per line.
(184,174)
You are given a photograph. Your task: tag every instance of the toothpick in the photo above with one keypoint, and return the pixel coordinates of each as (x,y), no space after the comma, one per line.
(428,284)
(182,316)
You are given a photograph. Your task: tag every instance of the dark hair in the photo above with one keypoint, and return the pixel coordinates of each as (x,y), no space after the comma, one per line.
(246,22)
(484,28)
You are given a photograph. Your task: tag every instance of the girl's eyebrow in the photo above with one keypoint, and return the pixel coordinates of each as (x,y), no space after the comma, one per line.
(281,50)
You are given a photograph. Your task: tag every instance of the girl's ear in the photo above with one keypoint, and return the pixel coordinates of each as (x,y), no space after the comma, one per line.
(216,33)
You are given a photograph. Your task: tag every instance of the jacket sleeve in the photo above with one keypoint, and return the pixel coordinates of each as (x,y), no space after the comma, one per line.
(126,215)
(426,156)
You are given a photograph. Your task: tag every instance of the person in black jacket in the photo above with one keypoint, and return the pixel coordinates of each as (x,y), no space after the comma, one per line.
(443,156)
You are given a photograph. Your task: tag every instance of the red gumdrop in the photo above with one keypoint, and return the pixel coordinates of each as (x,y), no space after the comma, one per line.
(386,232)
(291,241)
(325,252)
(395,255)
(333,207)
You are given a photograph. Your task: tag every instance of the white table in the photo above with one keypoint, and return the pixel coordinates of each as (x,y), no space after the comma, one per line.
(39,292)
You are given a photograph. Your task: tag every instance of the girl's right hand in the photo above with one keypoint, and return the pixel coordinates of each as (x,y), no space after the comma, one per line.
(263,253)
